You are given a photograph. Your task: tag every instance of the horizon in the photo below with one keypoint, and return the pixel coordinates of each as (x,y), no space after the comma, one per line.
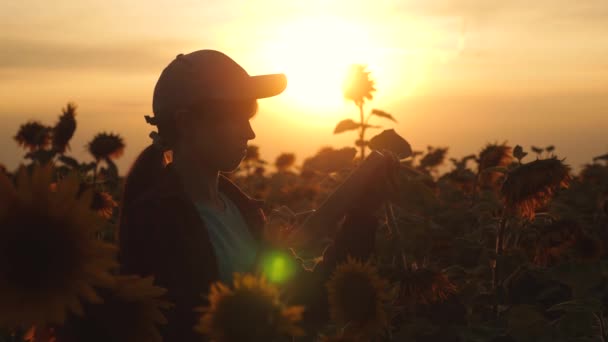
(454,74)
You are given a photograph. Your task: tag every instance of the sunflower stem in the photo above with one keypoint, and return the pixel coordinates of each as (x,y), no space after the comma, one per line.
(498,258)
(362,131)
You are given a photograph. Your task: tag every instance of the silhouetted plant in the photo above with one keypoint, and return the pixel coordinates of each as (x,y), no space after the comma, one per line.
(359,88)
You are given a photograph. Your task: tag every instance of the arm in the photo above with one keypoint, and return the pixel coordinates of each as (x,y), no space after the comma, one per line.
(354,202)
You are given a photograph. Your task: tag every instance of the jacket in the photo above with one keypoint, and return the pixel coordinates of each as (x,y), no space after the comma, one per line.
(162,235)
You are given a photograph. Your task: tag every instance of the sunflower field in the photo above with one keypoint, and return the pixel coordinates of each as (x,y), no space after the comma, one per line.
(508,245)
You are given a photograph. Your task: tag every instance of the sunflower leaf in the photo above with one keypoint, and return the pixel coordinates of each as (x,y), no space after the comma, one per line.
(346,125)
(383,114)
(390,140)
(69,161)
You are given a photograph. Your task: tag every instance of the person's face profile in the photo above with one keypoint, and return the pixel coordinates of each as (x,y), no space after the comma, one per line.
(217,137)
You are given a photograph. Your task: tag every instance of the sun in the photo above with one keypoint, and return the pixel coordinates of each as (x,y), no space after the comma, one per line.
(315,54)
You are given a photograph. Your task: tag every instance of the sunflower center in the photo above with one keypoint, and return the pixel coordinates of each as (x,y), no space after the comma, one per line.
(358,299)
(36,251)
(248,316)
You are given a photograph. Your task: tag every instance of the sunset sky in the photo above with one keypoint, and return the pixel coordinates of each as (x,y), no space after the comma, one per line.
(454,73)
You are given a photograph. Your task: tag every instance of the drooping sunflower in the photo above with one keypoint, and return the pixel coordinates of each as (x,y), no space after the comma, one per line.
(531,186)
(357,296)
(249,311)
(33,135)
(64,128)
(493,155)
(131,311)
(103,204)
(50,260)
(424,286)
(106,145)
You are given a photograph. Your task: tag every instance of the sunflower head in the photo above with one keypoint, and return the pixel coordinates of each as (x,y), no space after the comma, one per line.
(249,311)
(64,128)
(33,135)
(493,155)
(357,296)
(285,161)
(358,86)
(425,286)
(531,186)
(106,145)
(433,158)
(131,311)
(103,204)
(50,260)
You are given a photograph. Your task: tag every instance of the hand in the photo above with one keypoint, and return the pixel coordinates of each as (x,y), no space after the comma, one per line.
(379,186)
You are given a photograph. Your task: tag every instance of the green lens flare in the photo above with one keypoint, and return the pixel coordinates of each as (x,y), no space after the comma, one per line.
(278,267)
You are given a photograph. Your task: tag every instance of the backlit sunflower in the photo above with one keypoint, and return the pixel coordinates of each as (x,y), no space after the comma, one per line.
(425,286)
(33,135)
(250,311)
(106,145)
(531,186)
(130,311)
(357,295)
(64,129)
(50,260)
(103,204)
(493,155)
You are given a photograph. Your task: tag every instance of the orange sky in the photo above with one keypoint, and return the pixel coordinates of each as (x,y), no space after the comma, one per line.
(454,73)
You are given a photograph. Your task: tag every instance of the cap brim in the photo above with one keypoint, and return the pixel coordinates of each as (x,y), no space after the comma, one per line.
(263,86)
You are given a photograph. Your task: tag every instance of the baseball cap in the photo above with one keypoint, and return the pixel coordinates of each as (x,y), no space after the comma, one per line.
(192,78)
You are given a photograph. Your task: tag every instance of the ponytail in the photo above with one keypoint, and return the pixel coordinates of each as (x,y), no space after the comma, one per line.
(144,173)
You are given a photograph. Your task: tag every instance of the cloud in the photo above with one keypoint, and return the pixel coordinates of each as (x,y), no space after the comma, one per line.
(131,57)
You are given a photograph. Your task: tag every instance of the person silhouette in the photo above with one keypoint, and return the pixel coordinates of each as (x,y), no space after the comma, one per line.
(189,226)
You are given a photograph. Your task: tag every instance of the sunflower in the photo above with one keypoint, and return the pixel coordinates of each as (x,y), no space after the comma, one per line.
(530,186)
(103,204)
(425,286)
(38,334)
(285,161)
(433,158)
(64,129)
(493,155)
(357,295)
(358,86)
(49,257)
(250,311)
(106,145)
(33,136)
(131,311)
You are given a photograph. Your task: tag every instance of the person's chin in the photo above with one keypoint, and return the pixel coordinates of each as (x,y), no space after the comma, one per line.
(232,165)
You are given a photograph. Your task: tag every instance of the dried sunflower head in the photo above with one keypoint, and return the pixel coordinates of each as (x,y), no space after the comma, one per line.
(424,286)
(106,145)
(33,135)
(249,311)
(131,311)
(357,295)
(531,186)
(50,260)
